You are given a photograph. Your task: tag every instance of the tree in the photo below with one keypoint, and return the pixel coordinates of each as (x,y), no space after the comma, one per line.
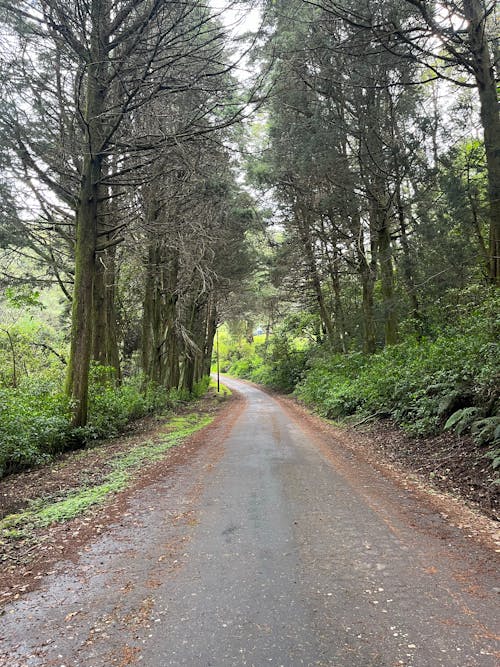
(450,39)
(111,62)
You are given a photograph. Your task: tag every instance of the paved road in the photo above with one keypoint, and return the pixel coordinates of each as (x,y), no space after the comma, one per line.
(266,550)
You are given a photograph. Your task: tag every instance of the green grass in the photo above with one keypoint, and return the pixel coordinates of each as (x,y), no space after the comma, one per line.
(42,513)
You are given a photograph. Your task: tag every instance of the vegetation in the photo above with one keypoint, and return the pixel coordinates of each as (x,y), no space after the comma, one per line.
(377,289)
(447,381)
(130,230)
(35,420)
(122,224)
(119,187)
(43,512)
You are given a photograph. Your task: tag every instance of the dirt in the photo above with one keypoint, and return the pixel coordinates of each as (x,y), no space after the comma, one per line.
(88,466)
(408,463)
(450,463)
(445,462)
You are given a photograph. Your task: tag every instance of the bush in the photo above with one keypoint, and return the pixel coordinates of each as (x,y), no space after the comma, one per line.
(34,424)
(420,384)
(35,416)
(280,367)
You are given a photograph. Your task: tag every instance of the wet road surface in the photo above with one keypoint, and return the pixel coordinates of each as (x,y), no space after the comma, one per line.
(266,550)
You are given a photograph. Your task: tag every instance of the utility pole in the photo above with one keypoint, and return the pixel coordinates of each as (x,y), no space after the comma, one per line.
(218,364)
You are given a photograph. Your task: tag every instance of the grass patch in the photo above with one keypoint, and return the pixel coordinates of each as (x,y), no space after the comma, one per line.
(41,514)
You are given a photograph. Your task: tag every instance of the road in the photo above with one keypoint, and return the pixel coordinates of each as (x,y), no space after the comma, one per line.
(267,548)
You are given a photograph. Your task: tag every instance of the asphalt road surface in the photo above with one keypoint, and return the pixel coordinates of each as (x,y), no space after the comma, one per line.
(267,548)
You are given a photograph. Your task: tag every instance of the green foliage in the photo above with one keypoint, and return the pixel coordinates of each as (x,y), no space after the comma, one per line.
(286,363)
(33,424)
(449,382)
(200,388)
(111,406)
(223,389)
(35,419)
(461,420)
(279,364)
(29,348)
(23,297)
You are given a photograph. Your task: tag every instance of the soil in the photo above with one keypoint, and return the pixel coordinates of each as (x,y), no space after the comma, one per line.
(445,462)
(88,466)
(271,536)
(448,462)
(404,461)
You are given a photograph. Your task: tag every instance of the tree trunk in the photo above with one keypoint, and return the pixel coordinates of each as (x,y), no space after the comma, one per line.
(490,118)
(367,275)
(169,349)
(105,337)
(367,270)
(387,282)
(338,309)
(408,263)
(210,335)
(160,351)
(305,237)
(77,381)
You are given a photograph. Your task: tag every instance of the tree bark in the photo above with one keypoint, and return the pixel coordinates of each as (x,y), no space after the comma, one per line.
(210,335)
(490,118)
(306,240)
(105,335)
(338,309)
(77,382)
(368,272)
(160,349)
(387,281)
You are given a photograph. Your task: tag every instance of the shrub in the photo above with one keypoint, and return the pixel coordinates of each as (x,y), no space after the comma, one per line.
(34,424)
(419,384)
(280,366)
(111,407)
(35,416)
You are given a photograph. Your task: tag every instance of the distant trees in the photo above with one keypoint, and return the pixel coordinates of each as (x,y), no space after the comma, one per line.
(188,225)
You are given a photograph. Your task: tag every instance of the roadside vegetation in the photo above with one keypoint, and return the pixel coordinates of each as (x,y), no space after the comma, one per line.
(351,247)
(376,289)
(35,412)
(43,511)
(448,381)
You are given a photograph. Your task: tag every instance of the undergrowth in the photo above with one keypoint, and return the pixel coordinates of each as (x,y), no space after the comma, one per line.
(35,415)
(447,381)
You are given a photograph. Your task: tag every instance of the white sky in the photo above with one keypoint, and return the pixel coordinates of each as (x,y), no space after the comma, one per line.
(239,20)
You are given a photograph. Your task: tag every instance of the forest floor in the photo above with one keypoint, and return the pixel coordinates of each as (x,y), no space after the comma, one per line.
(450,468)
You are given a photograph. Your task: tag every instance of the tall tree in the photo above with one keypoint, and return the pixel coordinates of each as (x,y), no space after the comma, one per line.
(450,39)
(110,61)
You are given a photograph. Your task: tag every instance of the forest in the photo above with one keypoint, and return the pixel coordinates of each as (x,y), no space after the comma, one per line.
(315,181)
